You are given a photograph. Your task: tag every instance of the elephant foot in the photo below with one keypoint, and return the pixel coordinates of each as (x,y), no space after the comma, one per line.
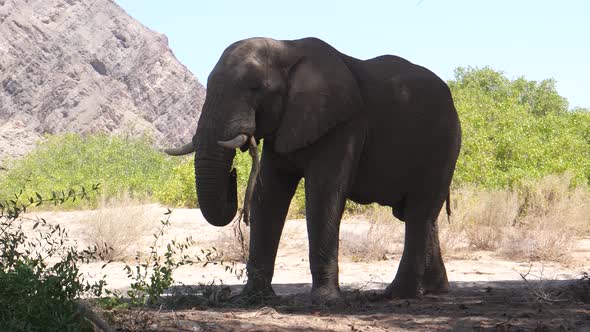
(256,297)
(412,290)
(399,290)
(438,285)
(326,295)
(254,294)
(435,279)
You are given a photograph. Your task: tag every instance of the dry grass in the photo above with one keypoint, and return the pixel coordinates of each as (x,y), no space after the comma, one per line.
(542,221)
(381,238)
(120,224)
(538,243)
(553,216)
(489,214)
(232,249)
(477,220)
(233,243)
(451,238)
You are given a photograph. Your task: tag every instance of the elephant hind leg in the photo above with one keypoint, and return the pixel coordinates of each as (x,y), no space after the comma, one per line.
(435,274)
(421,269)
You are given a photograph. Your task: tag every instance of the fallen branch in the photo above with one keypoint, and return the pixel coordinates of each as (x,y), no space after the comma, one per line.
(244,215)
(253,149)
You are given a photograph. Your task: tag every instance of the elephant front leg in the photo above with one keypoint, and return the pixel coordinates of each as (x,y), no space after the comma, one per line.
(324,207)
(421,269)
(328,178)
(270,204)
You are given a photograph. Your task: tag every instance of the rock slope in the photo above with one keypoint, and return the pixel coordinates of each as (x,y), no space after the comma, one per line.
(86,66)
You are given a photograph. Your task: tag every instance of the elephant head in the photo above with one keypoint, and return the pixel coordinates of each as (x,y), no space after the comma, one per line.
(288,93)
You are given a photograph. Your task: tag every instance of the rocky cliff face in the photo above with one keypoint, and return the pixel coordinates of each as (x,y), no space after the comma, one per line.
(86,66)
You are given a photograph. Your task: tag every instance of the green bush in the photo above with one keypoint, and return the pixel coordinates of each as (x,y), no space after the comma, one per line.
(119,163)
(41,285)
(517,130)
(36,295)
(152,276)
(178,189)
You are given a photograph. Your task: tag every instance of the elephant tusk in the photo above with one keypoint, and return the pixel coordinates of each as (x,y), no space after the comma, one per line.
(181,151)
(235,142)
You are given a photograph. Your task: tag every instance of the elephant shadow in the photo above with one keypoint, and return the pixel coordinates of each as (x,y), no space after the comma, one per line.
(492,300)
(508,305)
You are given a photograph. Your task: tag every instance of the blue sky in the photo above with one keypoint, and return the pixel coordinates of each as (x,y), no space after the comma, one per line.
(536,39)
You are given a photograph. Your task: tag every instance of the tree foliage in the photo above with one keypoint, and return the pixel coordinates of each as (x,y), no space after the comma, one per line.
(514,130)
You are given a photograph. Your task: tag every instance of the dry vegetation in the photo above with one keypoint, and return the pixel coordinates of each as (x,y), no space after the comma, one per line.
(552,216)
(232,244)
(119,224)
(381,238)
(539,222)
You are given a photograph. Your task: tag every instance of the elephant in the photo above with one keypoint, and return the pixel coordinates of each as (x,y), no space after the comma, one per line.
(382,130)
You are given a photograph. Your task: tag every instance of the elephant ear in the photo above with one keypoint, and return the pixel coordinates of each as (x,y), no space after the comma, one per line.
(322,93)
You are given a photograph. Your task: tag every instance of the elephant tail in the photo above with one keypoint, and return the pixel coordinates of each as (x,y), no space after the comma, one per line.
(448,205)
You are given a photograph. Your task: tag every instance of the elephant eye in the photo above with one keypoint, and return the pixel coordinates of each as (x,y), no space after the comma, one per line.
(254,87)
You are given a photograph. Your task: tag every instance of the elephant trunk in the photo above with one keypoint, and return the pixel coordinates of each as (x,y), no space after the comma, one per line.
(216,182)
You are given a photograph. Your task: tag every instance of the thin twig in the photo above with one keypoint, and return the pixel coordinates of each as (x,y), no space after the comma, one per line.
(536,291)
(238,232)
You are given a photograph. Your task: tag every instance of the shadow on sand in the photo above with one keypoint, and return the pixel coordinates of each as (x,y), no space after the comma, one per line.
(545,305)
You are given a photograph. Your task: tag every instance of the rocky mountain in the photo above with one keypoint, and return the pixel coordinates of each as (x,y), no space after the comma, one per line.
(86,66)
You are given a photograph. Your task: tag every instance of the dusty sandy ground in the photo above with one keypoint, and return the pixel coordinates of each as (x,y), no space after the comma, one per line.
(487,292)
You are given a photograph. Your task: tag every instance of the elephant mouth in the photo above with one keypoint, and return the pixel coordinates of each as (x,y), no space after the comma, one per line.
(243,142)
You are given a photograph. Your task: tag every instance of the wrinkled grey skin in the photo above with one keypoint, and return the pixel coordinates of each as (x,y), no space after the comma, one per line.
(382,130)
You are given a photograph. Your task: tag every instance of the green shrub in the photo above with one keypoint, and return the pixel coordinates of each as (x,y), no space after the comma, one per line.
(36,295)
(153,275)
(297,207)
(120,164)
(517,130)
(179,187)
